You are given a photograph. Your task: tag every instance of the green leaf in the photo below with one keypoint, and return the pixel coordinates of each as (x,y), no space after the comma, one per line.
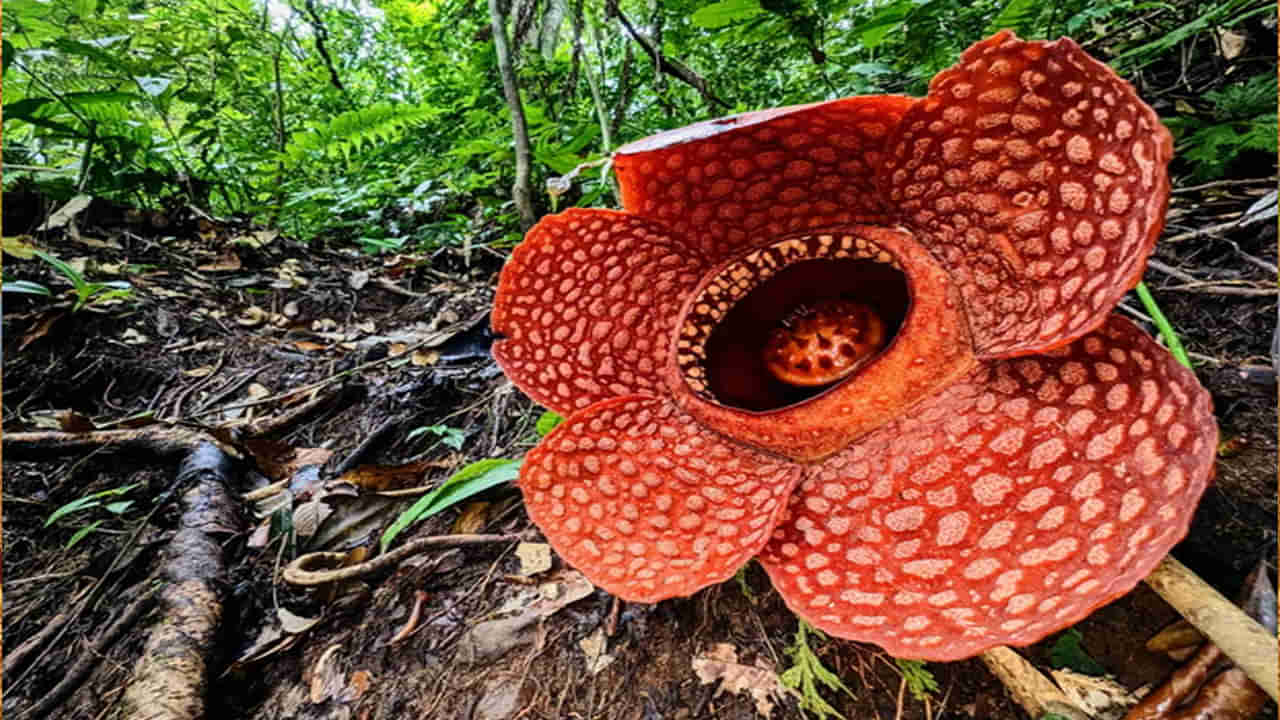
(87,501)
(25,109)
(82,533)
(26,287)
(1067,652)
(6,55)
(719,14)
(920,680)
(470,480)
(1016,15)
(118,508)
(61,266)
(547,422)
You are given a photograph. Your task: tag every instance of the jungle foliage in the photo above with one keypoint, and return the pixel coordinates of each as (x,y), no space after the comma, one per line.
(383,122)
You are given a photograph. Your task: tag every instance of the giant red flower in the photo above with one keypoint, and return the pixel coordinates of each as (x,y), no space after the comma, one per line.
(868,341)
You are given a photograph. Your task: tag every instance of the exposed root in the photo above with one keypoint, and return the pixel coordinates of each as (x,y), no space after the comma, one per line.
(170,680)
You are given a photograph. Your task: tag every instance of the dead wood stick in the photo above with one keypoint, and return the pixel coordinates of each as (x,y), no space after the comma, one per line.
(75,675)
(162,440)
(16,660)
(1034,692)
(170,678)
(301,571)
(1240,637)
(439,337)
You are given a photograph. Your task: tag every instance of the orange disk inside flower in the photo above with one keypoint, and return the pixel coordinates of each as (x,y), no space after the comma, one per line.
(823,343)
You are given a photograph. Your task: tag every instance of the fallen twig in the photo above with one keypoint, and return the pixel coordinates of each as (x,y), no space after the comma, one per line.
(88,659)
(1240,637)
(300,572)
(438,338)
(162,440)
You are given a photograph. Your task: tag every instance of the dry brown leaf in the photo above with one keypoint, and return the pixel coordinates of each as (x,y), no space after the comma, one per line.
(397,348)
(251,316)
(424,358)
(293,623)
(534,557)
(202,371)
(390,477)
(1176,637)
(593,647)
(326,677)
(257,391)
(39,329)
(473,518)
(308,346)
(361,681)
(308,516)
(760,681)
(226,262)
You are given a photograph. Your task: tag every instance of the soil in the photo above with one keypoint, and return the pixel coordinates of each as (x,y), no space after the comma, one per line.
(223,315)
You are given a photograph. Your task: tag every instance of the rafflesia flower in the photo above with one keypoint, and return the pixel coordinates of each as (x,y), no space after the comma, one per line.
(868,342)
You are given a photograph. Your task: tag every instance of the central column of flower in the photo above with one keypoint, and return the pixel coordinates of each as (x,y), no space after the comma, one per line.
(820,344)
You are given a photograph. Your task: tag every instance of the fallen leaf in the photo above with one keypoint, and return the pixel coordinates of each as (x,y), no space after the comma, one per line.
(19,246)
(308,516)
(474,516)
(228,261)
(423,358)
(1100,696)
(358,279)
(39,329)
(271,640)
(760,681)
(593,647)
(490,638)
(203,371)
(1230,43)
(132,337)
(382,478)
(257,391)
(397,348)
(295,624)
(358,685)
(534,557)
(326,677)
(251,316)
(308,346)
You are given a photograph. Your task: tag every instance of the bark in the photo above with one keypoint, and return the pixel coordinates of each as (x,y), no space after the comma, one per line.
(171,677)
(1250,646)
(1034,692)
(520,190)
(322,34)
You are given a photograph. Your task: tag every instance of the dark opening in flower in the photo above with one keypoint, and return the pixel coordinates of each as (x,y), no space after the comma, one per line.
(801,315)
(997,457)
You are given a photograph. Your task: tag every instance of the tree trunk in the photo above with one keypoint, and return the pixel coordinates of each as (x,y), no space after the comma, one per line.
(520,189)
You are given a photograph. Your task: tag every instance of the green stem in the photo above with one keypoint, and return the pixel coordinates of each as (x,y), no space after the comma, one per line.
(1162,324)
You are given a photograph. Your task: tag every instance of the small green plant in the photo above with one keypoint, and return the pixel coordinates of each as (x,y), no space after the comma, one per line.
(807,672)
(1243,119)
(740,577)
(1068,652)
(87,502)
(470,480)
(920,682)
(547,422)
(451,437)
(26,287)
(87,293)
(1167,333)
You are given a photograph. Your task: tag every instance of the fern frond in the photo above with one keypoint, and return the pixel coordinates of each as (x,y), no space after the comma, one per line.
(378,124)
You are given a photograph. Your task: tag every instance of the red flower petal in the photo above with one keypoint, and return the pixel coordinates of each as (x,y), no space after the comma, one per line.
(746,179)
(649,505)
(587,303)
(1007,507)
(1039,177)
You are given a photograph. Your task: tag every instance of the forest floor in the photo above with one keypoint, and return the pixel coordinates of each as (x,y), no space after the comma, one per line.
(317,365)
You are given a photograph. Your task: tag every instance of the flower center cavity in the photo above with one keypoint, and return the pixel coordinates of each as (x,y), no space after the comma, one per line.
(787,322)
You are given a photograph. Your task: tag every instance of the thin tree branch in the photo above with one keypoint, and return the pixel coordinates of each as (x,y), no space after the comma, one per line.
(671,66)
